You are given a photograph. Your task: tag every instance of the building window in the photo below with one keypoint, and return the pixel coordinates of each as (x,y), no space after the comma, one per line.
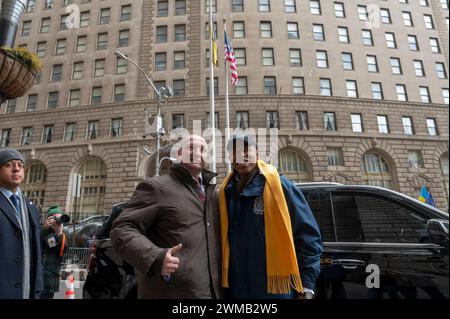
(329,120)
(295,57)
(52,100)
(161,34)
(177,121)
(302,120)
(238,29)
(413,44)
(432,127)
(102,41)
(77,71)
(267,57)
(93,182)
(289,6)
(74,97)
(352,88)
(298,86)
(270,85)
(81,44)
(339,10)
(116,127)
(179,60)
(178,88)
(69,132)
(377,91)
(27,133)
(30,6)
(241,86)
(60,48)
(242,120)
(385,16)
(121,66)
(180,33)
(264,6)
(325,87)
(104,16)
(180,7)
(318,33)
(428,21)
(294,166)
(434,44)
(213,5)
(445,96)
(209,122)
(367,37)
(444,174)
(407,125)
(418,67)
(314,7)
(357,125)
(56,73)
(99,67)
(424,94)
(347,61)
(383,125)
(63,22)
(321,59)
(362,13)
(216,87)
(93,130)
(11,106)
(375,171)
(343,35)
(35,183)
(160,61)
(84,19)
(47,134)
(119,92)
(240,55)
(396,66)
(32,102)
(41,49)
(400,90)
(407,19)
(48,4)
(272,119)
(26,27)
(335,157)
(415,159)
(163,8)
(390,40)
(45,25)
(123,38)
(292,29)
(440,70)
(125,13)
(5,138)
(372,64)
(265,29)
(96,97)
(444,4)
(237,5)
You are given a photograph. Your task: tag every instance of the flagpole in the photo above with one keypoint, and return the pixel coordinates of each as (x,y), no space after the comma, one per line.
(211,90)
(227,104)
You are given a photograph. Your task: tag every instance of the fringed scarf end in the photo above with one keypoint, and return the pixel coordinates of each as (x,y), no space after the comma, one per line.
(283,284)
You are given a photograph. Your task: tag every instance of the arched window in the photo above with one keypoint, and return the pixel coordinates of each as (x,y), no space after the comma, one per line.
(375,171)
(93,180)
(444,172)
(294,166)
(35,183)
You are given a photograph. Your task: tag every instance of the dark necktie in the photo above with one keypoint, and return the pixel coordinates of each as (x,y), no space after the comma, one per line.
(200,191)
(15,201)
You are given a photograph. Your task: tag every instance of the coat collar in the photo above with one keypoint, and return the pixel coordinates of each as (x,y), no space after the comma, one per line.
(184,175)
(8,210)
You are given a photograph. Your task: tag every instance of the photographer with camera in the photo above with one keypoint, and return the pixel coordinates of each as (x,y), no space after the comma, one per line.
(53,242)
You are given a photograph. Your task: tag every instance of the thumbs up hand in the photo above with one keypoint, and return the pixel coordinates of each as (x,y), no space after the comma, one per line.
(170,263)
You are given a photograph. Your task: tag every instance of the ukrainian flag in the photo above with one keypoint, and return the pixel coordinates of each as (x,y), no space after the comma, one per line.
(425,197)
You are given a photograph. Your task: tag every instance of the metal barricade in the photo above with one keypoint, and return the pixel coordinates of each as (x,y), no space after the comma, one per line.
(77,256)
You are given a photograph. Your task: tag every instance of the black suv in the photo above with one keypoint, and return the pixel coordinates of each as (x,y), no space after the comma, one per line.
(378,243)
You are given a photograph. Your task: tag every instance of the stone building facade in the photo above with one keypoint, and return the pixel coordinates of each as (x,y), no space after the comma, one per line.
(348,107)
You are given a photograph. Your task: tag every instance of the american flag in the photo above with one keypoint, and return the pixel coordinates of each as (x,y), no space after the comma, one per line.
(229,56)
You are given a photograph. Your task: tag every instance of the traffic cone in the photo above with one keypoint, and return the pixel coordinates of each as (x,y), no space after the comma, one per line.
(70,293)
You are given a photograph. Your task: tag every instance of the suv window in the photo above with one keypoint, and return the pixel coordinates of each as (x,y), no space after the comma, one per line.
(370,218)
(320,204)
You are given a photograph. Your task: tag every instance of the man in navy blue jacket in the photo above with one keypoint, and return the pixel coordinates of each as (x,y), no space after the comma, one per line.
(20,250)
(246,229)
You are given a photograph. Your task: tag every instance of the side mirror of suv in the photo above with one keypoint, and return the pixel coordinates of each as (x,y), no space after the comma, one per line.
(438,231)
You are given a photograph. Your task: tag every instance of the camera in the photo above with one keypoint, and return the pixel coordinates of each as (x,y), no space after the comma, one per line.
(63,219)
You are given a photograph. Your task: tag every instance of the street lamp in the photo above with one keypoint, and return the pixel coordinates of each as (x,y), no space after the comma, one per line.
(10,14)
(156,129)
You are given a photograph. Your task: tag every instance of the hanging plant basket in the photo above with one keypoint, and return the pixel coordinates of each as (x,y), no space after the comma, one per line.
(16,76)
